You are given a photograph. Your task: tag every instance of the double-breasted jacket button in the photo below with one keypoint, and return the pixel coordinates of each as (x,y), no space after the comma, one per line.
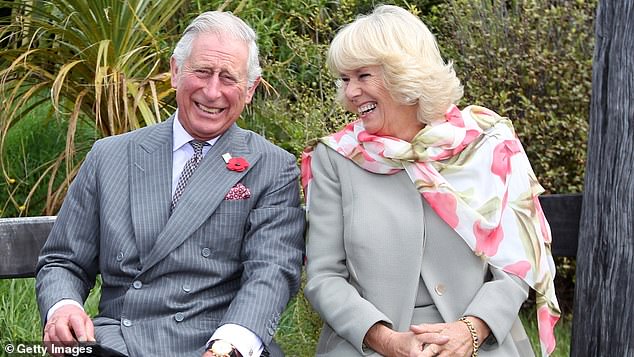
(206,252)
(187,288)
(120,256)
(126,322)
(179,316)
(137,284)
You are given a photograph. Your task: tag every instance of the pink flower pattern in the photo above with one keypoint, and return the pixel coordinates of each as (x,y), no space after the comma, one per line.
(520,268)
(454,117)
(543,225)
(487,239)
(546,324)
(306,173)
(502,158)
(445,205)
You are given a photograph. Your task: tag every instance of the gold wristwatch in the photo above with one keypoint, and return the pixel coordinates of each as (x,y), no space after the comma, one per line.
(222,348)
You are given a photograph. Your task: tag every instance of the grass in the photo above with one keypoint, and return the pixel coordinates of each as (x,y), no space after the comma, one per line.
(31,144)
(297,334)
(19,320)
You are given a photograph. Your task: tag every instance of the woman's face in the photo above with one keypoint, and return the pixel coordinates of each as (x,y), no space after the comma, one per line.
(366,95)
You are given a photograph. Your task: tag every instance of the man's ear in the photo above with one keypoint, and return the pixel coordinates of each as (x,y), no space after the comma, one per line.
(174,70)
(251,90)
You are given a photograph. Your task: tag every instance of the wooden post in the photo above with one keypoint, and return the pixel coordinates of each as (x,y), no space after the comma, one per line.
(604,297)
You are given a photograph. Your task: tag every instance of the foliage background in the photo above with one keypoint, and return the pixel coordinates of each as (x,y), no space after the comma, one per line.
(529,60)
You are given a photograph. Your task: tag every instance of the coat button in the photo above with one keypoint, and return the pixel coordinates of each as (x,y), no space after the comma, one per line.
(187,288)
(137,284)
(126,322)
(440,289)
(206,252)
(179,316)
(120,256)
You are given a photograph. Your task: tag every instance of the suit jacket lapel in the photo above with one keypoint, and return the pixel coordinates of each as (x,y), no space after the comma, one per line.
(150,185)
(205,191)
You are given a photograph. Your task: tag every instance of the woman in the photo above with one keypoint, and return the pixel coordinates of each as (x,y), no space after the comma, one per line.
(425,231)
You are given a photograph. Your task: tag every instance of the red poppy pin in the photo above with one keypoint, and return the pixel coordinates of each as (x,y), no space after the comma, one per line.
(238,164)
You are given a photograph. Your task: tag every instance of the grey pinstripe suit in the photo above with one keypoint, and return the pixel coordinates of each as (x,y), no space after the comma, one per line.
(169,282)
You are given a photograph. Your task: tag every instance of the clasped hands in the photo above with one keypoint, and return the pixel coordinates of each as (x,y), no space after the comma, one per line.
(425,340)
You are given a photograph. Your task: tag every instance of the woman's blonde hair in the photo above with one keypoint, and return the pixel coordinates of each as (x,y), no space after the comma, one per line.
(413,69)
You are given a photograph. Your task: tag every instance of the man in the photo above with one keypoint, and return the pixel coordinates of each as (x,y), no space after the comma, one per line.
(195,254)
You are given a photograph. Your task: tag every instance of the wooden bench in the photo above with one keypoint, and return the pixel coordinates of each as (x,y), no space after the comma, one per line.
(20,242)
(563,212)
(22,238)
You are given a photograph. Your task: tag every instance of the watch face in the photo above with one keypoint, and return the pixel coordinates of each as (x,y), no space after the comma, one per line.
(221,348)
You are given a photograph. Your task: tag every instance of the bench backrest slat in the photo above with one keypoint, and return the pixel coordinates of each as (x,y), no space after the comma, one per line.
(22,238)
(563,212)
(20,242)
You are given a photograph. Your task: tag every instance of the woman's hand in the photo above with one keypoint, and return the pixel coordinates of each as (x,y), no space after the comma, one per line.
(390,343)
(460,342)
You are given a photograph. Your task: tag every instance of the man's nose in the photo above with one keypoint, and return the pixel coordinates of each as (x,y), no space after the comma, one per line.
(212,88)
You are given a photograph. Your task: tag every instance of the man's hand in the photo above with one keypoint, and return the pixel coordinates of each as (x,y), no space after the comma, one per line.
(67,326)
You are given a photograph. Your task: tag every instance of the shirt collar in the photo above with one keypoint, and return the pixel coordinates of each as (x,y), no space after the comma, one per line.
(182,137)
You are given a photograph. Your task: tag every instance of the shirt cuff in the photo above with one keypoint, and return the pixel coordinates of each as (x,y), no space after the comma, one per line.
(61,303)
(245,341)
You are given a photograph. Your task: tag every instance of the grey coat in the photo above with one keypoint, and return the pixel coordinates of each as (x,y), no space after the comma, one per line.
(368,248)
(170,281)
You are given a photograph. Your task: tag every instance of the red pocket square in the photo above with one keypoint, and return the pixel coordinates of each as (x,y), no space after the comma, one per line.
(238,192)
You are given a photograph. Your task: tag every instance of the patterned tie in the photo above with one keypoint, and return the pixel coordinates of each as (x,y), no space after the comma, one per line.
(188,170)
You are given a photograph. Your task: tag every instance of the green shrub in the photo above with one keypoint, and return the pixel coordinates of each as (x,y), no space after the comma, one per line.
(530,61)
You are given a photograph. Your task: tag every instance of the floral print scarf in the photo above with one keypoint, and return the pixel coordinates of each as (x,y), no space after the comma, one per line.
(472,170)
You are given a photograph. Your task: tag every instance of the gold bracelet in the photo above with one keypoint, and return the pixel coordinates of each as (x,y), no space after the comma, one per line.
(474,335)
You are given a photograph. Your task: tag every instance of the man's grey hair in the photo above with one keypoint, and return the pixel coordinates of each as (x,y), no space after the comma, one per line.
(227,25)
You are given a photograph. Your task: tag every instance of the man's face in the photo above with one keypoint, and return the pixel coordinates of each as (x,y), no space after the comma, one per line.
(211,85)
